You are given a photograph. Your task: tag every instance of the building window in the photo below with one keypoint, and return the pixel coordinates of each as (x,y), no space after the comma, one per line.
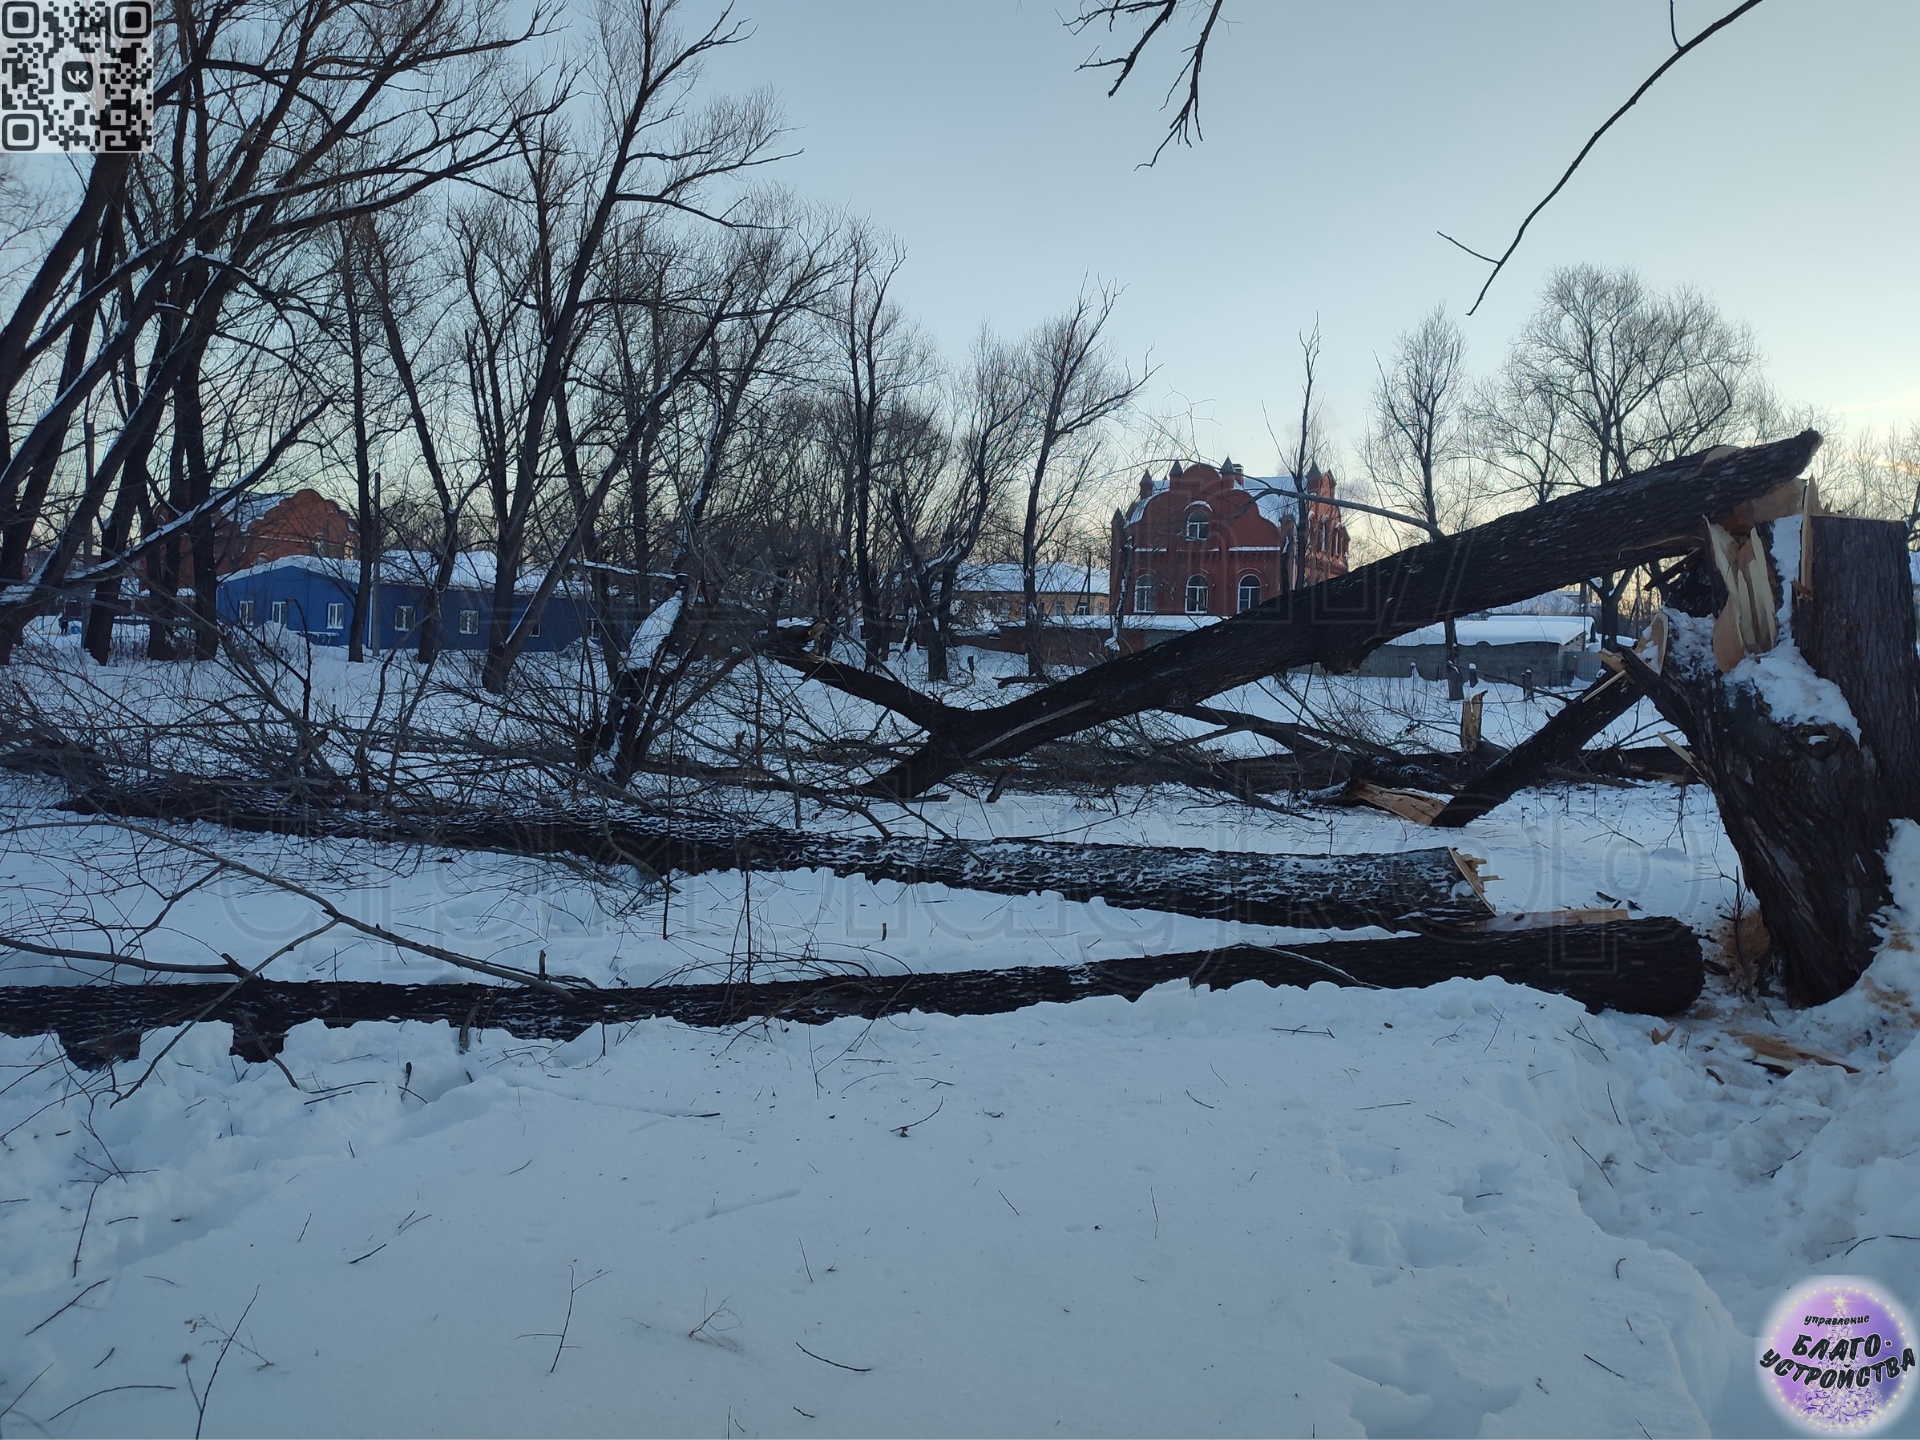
(279,612)
(1059,609)
(1080,606)
(1143,595)
(1249,591)
(403,618)
(246,612)
(1197,595)
(469,622)
(1197,524)
(337,615)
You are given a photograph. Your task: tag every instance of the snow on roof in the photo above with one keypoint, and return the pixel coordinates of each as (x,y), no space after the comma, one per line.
(473,570)
(1503,630)
(1554,602)
(1278,509)
(1169,622)
(1139,507)
(347,572)
(250,508)
(1052,577)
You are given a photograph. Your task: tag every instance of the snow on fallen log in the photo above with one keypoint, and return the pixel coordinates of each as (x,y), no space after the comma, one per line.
(1410,889)
(1650,966)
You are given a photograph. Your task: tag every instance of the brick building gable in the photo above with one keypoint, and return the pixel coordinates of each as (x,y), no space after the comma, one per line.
(1207,541)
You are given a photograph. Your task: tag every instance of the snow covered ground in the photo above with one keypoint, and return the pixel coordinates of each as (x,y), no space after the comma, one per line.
(1471,1209)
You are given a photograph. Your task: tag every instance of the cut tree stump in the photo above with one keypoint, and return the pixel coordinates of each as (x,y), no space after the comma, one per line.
(1647,966)
(1807,802)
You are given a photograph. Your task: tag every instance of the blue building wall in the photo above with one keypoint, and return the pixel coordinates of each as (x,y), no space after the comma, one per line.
(318,601)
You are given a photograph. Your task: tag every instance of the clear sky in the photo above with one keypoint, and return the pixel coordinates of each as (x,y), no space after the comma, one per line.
(1775,168)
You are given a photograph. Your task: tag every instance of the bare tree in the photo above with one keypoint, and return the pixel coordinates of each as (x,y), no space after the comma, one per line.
(1522,432)
(884,368)
(1077,388)
(649,152)
(1305,452)
(1421,439)
(997,398)
(1637,378)
(366,107)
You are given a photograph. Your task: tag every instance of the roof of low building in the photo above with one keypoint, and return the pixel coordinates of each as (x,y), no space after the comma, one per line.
(1050,577)
(1502,630)
(473,570)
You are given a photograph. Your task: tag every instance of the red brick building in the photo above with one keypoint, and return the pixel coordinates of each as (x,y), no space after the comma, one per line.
(1207,541)
(259,528)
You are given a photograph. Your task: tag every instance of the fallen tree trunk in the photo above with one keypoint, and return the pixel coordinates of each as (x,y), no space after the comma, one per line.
(1647,966)
(1337,623)
(1403,890)
(1558,741)
(1812,742)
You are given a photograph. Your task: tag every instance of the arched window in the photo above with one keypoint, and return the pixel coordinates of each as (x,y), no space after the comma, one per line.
(1143,595)
(1249,591)
(1196,595)
(1197,523)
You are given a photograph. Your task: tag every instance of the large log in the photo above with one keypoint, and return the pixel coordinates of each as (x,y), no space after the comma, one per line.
(1557,742)
(1648,966)
(1407,889)
(1807,803)
(1336,624)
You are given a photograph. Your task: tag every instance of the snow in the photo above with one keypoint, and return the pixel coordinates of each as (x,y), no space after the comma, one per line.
(1253,1211)
(1784,681)
(1050,577)
(1155,621)
(644,649)
(1553,602)
(1467,1209)
(1503,630)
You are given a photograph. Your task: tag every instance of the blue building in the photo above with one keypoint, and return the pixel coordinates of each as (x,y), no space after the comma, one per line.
(313,597)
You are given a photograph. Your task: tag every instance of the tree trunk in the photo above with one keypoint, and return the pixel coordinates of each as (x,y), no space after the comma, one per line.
(1647,966)
(1338,622)
(1812,747)
(1404,889)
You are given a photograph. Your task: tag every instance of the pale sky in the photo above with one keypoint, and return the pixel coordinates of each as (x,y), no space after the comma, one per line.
(1773,168)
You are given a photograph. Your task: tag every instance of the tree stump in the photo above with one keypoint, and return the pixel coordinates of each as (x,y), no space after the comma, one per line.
(1812,746)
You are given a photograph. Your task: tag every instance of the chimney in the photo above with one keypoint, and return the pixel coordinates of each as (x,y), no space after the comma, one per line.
(1177,471)
(1146,483)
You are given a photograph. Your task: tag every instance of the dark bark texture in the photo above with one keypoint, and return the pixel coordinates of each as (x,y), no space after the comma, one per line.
(1808,807)
(1404,890)
(1647,966)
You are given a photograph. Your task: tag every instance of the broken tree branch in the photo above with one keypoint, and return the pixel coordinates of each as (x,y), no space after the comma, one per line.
(1336,624)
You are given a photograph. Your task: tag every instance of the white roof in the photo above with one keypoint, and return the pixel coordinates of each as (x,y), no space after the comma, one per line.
(1158,621)
(473,570)
(1553,602)
(1051,577)
(1279,509)
(1503,630)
